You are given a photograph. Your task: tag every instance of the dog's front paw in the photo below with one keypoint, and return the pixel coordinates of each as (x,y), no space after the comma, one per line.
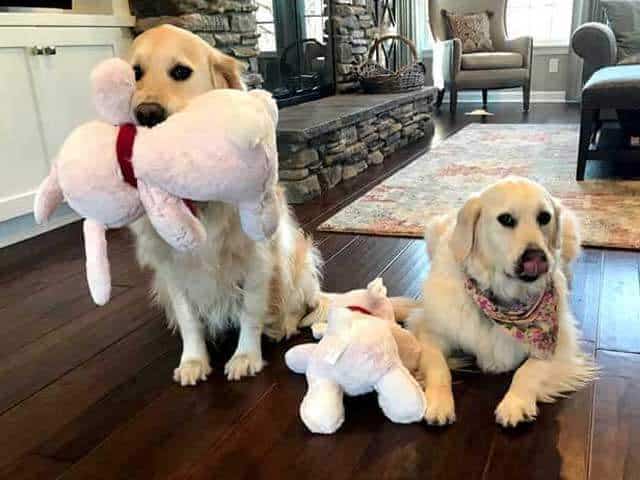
(440,406)
(513,410)
(191,371)
(243,364)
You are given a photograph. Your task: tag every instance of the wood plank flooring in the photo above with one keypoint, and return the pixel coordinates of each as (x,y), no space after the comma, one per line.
(86,393)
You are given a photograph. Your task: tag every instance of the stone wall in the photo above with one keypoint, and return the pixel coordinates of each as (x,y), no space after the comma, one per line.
(229,25)
(311,166)
(352,25)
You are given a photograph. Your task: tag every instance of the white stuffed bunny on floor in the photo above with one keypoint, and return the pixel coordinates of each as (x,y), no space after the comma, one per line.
(358,353)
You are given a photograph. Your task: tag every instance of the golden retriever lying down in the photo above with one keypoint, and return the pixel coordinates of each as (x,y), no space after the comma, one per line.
(509,246)
(264,287)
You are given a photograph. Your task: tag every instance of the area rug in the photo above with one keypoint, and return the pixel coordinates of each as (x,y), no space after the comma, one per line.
(441,179)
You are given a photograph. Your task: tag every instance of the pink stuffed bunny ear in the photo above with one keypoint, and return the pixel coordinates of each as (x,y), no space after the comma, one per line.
(113,83)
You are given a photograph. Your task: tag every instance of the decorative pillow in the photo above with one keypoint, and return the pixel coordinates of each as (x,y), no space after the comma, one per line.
(623,16)
(472,30)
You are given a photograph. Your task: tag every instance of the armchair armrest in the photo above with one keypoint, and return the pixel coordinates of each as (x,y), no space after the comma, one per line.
(595,43)
(447,61)
(521,45)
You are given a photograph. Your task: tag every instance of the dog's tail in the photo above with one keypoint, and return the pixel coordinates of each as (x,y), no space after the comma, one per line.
(402,307)
(570,237)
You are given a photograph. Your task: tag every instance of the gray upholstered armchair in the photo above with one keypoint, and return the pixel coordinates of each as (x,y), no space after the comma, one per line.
(595,43)
(509,66)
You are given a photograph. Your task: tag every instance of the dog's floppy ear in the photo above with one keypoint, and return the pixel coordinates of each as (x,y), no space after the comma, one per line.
(556,238)
(225,71)
(464,232)
(566,235)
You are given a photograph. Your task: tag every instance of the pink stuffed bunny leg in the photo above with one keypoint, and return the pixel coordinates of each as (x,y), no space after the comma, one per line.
(48,197)
(98,274)
(171,218)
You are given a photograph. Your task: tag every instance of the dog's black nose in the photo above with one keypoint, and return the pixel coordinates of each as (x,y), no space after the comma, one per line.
(150,114)
(533,263)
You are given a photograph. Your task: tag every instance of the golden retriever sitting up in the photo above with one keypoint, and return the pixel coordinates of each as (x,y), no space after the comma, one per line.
(497,289)
(263,287)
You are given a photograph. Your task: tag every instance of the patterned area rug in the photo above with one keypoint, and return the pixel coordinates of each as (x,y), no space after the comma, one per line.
(480,154)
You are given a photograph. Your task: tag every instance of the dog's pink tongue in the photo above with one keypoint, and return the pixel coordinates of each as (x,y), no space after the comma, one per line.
(535,266)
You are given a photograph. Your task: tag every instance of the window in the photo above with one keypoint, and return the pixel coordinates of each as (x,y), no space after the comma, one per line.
(266,26)
(423,35)
(313,20)
(547,21)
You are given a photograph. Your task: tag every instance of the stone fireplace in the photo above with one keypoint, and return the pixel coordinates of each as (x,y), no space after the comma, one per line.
(310,49)
(298,61)
(353,31)
(229,25)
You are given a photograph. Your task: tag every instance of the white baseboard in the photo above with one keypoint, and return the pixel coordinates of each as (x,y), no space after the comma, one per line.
(23,227)
(509,96)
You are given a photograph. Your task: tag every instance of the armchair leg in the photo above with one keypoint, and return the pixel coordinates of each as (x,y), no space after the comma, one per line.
(439,98)
(526,94)
(453,100)
(587,120)
(484,98)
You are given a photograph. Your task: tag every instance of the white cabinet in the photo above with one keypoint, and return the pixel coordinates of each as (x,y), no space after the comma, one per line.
(45,94)
(61,84)
(23,157)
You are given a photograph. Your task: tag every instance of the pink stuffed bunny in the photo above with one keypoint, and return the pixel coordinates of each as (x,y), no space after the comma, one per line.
(221,147)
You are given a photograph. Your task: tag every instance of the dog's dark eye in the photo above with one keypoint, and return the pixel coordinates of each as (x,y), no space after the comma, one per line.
(544,218)
(507,220)
(180,73)
(137,70)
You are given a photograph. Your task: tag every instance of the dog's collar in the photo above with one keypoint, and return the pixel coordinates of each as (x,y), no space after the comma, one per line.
(535,323)
(124,152)
(358,308)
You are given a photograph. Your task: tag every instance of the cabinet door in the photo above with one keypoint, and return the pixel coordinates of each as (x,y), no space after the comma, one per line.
(44,97)
(61,80)
(23,158)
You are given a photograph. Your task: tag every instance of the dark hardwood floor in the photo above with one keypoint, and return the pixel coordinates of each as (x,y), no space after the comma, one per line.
(86,392)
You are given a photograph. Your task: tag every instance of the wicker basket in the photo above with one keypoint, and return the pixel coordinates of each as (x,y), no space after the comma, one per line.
(375,78)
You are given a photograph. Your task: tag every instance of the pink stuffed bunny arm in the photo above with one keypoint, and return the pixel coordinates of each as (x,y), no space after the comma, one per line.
(171,218)
(48,197)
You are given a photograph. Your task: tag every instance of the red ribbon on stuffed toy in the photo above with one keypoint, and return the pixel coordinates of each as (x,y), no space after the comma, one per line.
(124,152)
(357,308)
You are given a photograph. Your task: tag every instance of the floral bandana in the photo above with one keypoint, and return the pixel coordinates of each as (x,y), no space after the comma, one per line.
(535,324)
